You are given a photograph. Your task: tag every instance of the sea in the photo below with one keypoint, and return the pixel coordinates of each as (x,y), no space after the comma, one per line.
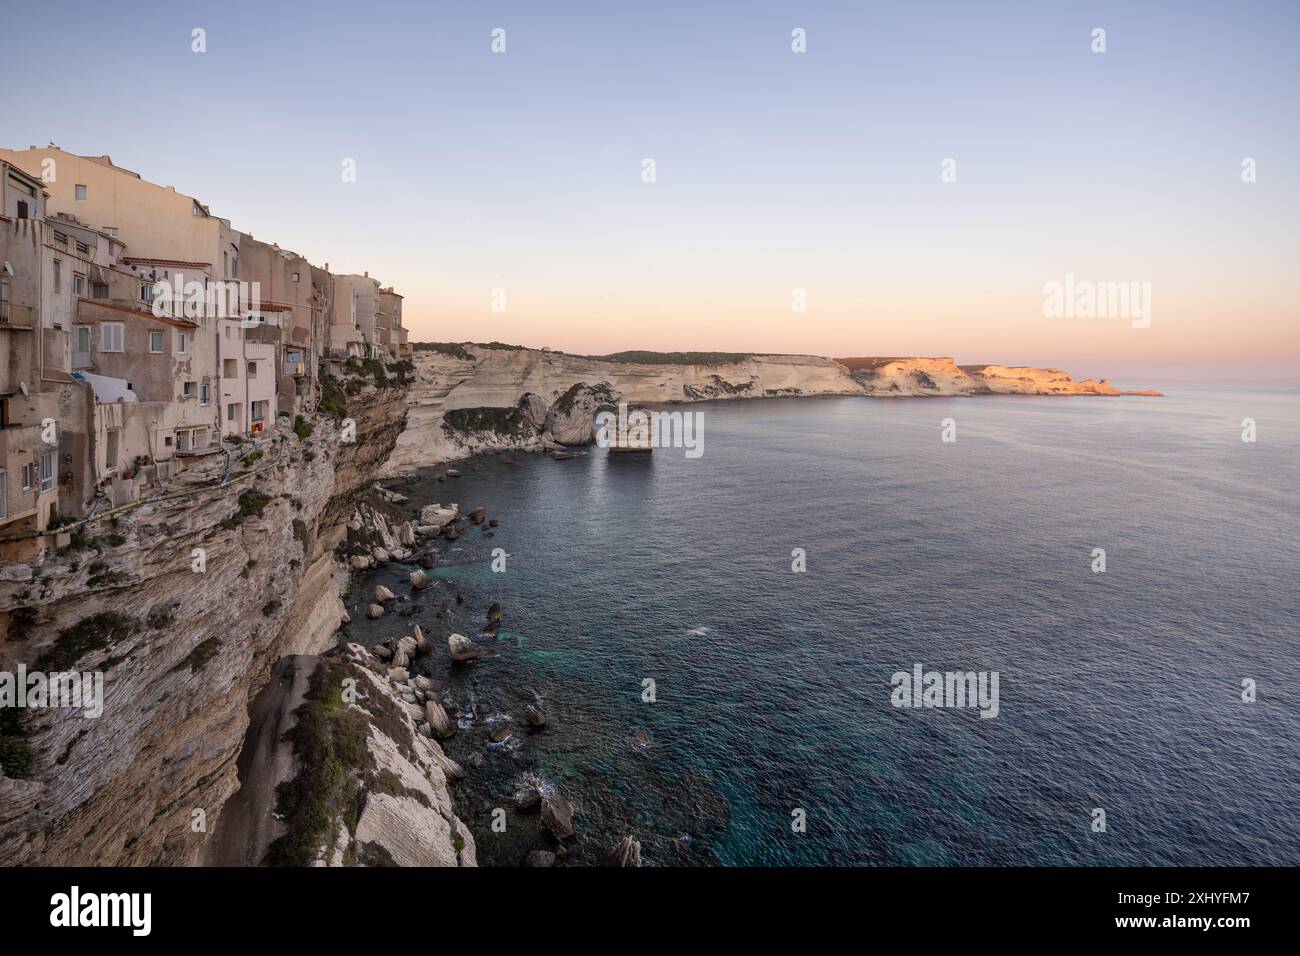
(719,642)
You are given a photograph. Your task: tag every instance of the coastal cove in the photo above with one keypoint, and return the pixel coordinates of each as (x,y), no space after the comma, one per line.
(1119,690)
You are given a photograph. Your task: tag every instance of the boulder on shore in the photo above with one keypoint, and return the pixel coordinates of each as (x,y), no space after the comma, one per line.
(421,581)
(374,612)
(383,595)
(439,722)
(557,816)
(626,853)
(494,612)
(535,716)
(437,516)
(462,648)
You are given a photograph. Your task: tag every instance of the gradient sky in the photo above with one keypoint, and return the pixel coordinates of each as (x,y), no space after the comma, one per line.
(775,170)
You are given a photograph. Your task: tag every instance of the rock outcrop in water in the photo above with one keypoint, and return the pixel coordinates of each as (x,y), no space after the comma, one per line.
(473,399)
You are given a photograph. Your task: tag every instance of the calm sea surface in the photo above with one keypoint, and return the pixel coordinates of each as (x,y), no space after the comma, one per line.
(1119,691)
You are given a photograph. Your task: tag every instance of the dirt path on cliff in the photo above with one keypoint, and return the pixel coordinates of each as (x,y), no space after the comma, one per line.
(246,827)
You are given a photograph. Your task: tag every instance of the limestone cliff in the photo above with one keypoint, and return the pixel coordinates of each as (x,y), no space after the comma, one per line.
(472,398)
(184,603)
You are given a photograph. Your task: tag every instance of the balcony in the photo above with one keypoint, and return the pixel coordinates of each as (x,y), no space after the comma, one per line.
(196,441)
(14,316)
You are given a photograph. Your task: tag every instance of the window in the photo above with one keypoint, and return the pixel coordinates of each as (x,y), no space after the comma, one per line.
(110,230)
(167,441)
(83,249)
(295,277)
(99,290)
(110,448)
(234,267)
(229,368)
(82,333)
(81,192)
(29,477)
(230,412)
(189,389)
(61,239)
(78,284)
(58,275)
(22,209)
(4,496)
(252,370)
(146,291)
(155,343)
(205,391)
(47,471)
(259,411)
(183,343)
(110,336)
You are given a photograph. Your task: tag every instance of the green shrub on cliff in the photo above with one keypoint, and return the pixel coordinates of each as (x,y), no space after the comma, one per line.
(17,758)
(445,348)
(377,371)
(507,422)
(329,740)
(333,401)
(251,503)
(89,634)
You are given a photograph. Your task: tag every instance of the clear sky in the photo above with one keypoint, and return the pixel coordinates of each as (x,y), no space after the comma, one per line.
(774,170)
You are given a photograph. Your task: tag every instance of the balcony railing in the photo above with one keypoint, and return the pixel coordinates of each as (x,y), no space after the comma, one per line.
(15,316)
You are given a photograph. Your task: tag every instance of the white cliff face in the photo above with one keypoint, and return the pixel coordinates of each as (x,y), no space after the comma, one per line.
(184,604)
(1036,381)
(500,378)
(409,820)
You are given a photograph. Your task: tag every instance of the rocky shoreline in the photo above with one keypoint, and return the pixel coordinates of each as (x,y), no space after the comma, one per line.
(394,532)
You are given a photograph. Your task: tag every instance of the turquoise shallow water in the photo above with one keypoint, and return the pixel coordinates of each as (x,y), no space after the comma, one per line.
(1118,691)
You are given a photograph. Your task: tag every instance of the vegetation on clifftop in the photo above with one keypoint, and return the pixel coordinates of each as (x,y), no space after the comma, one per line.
(452,349)
(675,358)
